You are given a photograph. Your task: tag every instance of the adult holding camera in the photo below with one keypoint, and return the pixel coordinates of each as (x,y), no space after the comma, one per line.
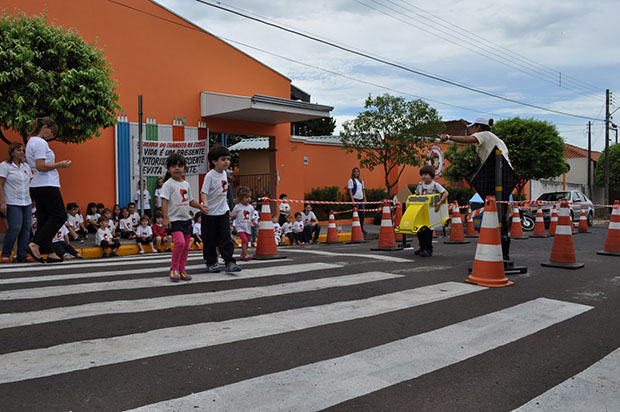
(45,189)
(15,202)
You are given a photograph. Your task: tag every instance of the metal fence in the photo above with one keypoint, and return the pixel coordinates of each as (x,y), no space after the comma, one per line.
(257,183)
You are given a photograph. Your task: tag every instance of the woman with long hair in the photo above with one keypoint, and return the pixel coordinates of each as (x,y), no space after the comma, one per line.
(45,189)
(15,202)
(357,193)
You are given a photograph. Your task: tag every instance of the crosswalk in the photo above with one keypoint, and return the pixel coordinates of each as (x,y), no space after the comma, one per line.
(118,332)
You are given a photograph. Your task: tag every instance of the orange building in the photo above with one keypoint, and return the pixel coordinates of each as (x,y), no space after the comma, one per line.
(184,72)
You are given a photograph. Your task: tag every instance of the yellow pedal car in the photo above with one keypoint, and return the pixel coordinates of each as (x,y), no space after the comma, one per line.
(420,212)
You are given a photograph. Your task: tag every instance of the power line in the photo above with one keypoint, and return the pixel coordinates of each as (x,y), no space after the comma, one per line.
(397,65)
(474,36)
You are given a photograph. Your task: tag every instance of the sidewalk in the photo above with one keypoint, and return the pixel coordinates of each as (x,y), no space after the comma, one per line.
(129,247)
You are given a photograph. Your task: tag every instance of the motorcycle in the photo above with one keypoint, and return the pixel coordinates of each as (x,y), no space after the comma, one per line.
(528,219)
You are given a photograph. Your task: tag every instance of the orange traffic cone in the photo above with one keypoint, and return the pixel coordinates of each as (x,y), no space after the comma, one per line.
(612,242)
(398,215)
(583,222)
(386,233)
(357,236)
(470,231)
(488,269)
(266,248)
(457,235)
(539,225)
(553,223)
(332,231)
(563,251)
(516,231)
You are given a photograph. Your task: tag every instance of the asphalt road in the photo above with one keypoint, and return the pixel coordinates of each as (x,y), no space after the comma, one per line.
(335,327)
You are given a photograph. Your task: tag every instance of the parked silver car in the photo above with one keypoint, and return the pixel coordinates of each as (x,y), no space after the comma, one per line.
(576,198)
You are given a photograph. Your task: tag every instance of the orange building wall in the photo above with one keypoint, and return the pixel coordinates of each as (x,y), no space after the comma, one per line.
(165,59)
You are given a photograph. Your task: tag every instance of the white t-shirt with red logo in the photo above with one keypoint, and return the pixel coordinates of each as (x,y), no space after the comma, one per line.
(179,196)
(60,235)
(215,186)
(243,217)
(103,234)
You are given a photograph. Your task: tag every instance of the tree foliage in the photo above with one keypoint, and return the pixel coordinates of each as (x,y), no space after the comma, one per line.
(391,133)
(464,163)
(535,148)
(51,71)
(614,168)
(314,127)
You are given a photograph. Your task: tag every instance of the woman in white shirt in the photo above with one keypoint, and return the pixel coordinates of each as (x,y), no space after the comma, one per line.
(357,193)
(45,189)
(15,203)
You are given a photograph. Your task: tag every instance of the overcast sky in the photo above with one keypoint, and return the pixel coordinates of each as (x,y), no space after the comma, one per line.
(513,48)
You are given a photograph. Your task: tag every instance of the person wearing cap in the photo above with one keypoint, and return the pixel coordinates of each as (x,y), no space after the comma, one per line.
(482,137)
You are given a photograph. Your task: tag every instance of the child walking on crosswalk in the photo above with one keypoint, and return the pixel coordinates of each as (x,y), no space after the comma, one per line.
(176,199)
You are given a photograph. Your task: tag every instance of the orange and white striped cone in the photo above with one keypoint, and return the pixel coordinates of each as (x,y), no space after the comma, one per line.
(488,269)
(357,236)
(612,242)
(386,233)
(563,250)
(539,225)
(457,234)
(266,248)
(398,215)
(516,231)
(583,222)
(553,223)
(470,230)
(332,230)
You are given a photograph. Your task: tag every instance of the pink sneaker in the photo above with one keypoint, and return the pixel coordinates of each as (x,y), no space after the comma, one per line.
(246,258)
(175,276)
(185,276)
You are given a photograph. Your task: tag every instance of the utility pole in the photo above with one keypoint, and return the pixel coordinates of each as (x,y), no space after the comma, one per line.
(590,160)
(607,150)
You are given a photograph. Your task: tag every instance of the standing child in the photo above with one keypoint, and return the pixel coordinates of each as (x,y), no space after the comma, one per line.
(105,239)
(125,225)
(145,198)
(298,229)
(285,208)
(215,225)
(196,239)
(161,238)
(144,234)
(176,199)
(277,230)
(287,229)
(243,213)
(61,246)
(255,220)
(428,187)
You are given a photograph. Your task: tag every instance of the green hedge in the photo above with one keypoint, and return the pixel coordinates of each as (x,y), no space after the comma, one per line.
(335,194)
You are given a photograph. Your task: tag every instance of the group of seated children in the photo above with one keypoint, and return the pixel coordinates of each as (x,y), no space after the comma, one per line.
(303,230)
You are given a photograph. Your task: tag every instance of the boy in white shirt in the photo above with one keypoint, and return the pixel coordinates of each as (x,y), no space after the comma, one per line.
(133,215)
(277,230)
(105,239)
(146,198)
(216,223)
(75,223)
(428,187)
(61,246)
(144,235)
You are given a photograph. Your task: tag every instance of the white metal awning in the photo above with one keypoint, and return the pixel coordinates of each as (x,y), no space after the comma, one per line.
(259,108)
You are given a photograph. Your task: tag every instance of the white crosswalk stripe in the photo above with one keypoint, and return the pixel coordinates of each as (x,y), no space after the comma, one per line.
(160,280)
(315,384)
(340,379)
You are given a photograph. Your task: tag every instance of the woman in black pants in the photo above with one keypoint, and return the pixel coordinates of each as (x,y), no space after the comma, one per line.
(45,189)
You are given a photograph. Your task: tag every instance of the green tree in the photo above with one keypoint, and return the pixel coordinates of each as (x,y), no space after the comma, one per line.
(51,71)
(390,133)
(315,127)
(464,163)
(535,148)
(614,168)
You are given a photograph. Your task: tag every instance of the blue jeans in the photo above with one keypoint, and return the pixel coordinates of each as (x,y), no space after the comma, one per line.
(19,219)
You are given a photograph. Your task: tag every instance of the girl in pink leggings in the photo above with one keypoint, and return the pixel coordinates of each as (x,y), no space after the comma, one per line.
(175,206)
